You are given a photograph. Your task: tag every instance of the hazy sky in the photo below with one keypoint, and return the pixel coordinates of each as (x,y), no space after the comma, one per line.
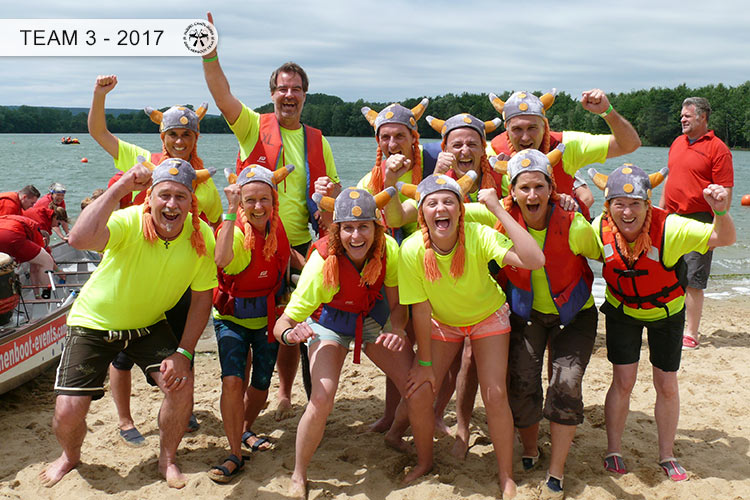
(394,49)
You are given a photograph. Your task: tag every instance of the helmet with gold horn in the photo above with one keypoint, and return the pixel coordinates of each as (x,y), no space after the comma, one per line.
(523,103)
(257,173)
(532,160)
(628,181)
(354,204)
(463,120)
(177,170)
(177,117)
(396,113)
(438,182)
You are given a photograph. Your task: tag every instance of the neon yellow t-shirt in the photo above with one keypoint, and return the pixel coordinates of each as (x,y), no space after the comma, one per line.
(137,281)
(292,205)
(683,236)
(311,292)
(582,240)
(209,201)
(463,302)
(240,261)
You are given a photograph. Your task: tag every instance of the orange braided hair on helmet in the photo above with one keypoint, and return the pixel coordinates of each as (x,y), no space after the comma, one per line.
(373,267)
(642,241)
(147,220)
(377,176)
(431,270)
(196,239)
(271,244)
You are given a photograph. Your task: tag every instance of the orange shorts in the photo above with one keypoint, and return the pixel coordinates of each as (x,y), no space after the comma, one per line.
(497,323)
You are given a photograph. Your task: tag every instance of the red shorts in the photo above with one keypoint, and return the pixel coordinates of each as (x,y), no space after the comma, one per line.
(18,246)
(497,323)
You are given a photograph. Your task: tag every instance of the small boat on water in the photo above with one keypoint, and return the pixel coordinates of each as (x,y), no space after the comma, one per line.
(69,140)
(32,333)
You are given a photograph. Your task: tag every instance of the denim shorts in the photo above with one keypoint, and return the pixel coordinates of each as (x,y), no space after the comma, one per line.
(235,342)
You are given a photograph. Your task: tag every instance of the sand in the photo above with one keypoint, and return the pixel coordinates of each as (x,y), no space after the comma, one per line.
(712,442)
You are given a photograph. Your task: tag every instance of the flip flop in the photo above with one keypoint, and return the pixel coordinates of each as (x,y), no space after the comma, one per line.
(689,343)
(673,469)
(614,463)
(256,446)
(223,475)
(132,437)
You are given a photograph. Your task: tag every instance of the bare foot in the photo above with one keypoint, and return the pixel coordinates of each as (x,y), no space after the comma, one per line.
(381,425)
(175,478)
(56,470)
(284,410)
(417,472)
(298,489)
(460,448)
(441,429)
(509,491)
(398,444)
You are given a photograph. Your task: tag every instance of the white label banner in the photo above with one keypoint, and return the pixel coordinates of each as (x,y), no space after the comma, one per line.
(106,37)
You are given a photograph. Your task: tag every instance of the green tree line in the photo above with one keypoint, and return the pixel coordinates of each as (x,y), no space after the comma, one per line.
(654,113)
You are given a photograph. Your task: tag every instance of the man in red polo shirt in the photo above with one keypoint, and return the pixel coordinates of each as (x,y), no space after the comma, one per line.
(697,158)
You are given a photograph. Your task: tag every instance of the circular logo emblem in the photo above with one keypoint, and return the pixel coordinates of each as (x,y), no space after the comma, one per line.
(183,120)
(525,162)
(250,174)
(200,37)
(412,121)
(628,188)
(353,195)
(467,119)
(389,115)
(523,106)
(174,171)
(440,181)
(627,170)
(356,211)
(522,95)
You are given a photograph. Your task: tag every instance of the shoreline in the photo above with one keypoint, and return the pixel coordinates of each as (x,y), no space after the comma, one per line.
(713,440)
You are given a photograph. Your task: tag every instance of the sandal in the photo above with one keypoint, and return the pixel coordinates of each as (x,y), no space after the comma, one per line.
(673,469)
(221,474)
(614,463)
(256,446)
(132,437)
(689,343)
(530,462)
(551,488)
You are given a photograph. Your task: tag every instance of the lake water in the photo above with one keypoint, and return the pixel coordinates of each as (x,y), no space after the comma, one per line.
(40,159)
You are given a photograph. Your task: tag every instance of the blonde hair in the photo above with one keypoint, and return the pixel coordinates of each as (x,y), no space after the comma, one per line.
(372,268)
(431,270)
(642,241)
(149,229)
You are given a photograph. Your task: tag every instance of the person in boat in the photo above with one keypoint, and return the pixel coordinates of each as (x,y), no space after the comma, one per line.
(152,253)
(179,129)
(286,140)
(348,293)
(642,248)
(252,255)
(526,126)
(14,203)
(48,218)
(552,306)
(22,238)
(90,199)
(443,273)
(53,199)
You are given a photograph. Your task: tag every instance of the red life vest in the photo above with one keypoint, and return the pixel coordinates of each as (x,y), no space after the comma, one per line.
(22,225)
(42,215)
(10,204)
(569,275)
(563,180)
(252,292)
(269,147)
(648,283)
(346,311)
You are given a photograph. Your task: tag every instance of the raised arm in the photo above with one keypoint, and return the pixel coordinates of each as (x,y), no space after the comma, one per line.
(724,233)
(97,121)
(90,231)
(525,252)
(624,138)
(218,85)
(223,253)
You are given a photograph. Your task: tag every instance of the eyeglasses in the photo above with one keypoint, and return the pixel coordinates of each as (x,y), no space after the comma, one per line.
(58,191)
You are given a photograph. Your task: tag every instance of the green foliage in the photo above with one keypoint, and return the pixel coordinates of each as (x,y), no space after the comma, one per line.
(654,113)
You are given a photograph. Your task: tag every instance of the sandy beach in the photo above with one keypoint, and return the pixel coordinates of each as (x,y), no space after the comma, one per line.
(713,437)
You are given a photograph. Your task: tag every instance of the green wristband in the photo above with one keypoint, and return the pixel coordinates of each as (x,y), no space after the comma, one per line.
(211,59)
(424,363)
(185,353)
(605,113)
(720,212)
(230,216)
